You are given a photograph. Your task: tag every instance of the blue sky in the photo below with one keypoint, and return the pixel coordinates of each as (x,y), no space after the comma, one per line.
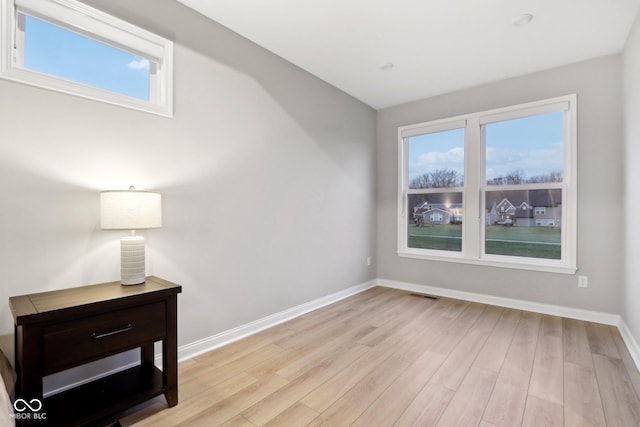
(531,144)
(53,50)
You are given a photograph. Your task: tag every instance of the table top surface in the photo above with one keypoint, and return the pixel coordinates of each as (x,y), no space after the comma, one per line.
(38,304)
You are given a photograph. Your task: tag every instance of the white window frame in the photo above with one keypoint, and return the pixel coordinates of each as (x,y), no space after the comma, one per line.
(474,213)
(74,16)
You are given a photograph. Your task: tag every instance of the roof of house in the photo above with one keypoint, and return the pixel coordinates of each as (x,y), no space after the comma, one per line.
(533,198)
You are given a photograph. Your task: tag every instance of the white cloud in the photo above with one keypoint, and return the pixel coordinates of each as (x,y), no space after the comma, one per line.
(531,162)
(434,160)
(141,64)
(452,159)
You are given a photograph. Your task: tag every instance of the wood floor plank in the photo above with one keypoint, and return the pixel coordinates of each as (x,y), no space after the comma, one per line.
(233,405)
(238,421)
(314,356)
(619,400)
(629,364)
(427,329)
(451,335)
(582,404)
(296,415)
(507,402)
(600,340)
(217,374)
(273,405)
(406,312)
(469,402)
(547,374)
(331,390)
(399,395)
(320,331)
(492,355)
(542,413)
(458,362)
(385,358)
(345,410)
(386,315)
(427,407)
(576,343)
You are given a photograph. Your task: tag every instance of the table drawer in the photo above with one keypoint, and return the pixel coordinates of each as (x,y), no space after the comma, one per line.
(69,343)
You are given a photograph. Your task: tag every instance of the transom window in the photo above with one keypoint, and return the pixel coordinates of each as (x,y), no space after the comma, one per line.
(70,47)
(501,183)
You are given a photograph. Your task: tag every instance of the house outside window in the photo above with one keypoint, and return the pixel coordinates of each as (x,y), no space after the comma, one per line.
(513,168)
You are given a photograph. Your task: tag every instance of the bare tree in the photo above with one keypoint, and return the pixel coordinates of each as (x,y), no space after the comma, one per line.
(421,181)
(510,178)
(443,178)
(554,176)
(439,178)
(514,177)
(518,176)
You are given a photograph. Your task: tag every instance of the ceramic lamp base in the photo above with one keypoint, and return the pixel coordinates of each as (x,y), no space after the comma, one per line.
(132,260)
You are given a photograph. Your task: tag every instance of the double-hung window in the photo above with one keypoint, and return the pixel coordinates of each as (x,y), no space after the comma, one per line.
(492,188)
(67,46)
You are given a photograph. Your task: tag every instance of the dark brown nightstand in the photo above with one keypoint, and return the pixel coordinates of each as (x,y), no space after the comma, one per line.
(62,329)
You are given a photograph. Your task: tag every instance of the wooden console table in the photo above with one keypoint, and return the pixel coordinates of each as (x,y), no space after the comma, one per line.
(62,329)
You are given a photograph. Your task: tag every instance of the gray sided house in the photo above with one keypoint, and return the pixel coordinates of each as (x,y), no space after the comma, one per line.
(436,216)
(532,208)
(437,213)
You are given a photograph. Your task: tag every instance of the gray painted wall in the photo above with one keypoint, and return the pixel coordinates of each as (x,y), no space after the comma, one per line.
(598,86)
(267,175)
(631,70)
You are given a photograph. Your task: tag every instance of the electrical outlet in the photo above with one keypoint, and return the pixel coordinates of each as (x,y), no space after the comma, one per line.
(583,282)
(368,260)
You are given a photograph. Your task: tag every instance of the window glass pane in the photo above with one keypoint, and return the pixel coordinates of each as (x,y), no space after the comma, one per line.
(53,50)
(525,223)
(436,160)
(435,221)
(525,151)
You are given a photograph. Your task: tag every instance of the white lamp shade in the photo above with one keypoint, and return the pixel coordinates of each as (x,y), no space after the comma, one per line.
(130,210)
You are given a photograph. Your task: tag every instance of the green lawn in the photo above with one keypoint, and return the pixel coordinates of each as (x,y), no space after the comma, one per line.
(440,237)
(534,242)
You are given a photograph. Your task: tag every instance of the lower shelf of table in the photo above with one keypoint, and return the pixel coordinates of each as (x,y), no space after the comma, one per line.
(104,398)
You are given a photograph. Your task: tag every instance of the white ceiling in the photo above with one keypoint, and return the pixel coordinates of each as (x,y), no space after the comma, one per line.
(436,46)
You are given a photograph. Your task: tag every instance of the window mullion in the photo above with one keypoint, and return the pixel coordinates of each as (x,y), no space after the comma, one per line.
(403,198)
(472,172)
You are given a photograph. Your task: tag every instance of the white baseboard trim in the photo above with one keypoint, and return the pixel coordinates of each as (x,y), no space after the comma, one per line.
(554,310)
(196,348)
(630,342)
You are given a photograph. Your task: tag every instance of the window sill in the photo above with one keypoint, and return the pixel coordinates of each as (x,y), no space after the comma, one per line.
(539,265)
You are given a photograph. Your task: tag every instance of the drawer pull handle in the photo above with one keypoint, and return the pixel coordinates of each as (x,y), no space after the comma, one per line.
(98,335)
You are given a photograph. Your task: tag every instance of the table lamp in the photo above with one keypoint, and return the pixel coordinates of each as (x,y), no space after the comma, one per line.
(131,210)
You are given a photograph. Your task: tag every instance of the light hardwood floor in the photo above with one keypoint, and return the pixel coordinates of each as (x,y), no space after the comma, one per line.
(386,358)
